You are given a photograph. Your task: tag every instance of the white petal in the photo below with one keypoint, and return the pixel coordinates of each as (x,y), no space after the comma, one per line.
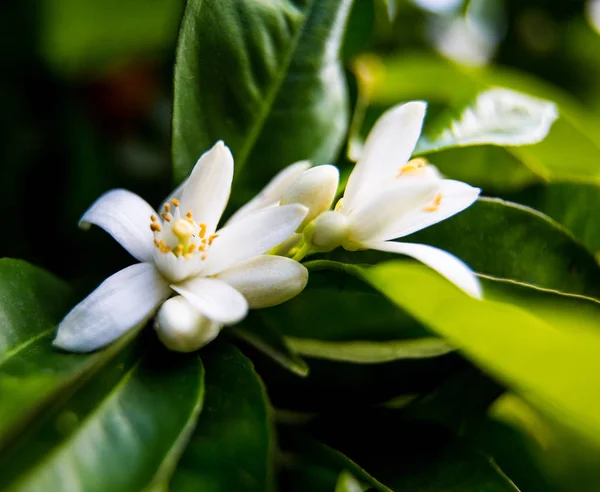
(126,217)
(267,280)
(315,189)
(273,192)
(372,220)
(182,328)
(455,197)
(251,236)
(123,301)
(215,299)
(207,189)
(388,147)
(441,261)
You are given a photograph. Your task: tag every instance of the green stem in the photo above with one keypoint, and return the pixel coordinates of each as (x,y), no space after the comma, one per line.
(302,252)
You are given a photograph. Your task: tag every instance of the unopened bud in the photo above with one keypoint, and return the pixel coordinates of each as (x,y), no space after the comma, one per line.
(182,328)
(315,189)
(328,231)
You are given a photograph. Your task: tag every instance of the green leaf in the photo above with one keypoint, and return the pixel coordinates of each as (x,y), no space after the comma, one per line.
(347,483)
(263,76)
(232,446)
(123,430)
(270,341)
(518,348)
(497,117)
(364,352)
(74,37)
(570,152)
(508,241)
(569,204)
(32,372)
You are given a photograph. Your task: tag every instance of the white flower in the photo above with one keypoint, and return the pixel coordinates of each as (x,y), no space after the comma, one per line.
(217,274)
(389,198)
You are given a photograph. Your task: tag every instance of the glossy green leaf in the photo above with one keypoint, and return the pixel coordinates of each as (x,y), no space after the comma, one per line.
(508,241)
(258,333)
(347,483)
(124,430)
(232,446)
(569,204)
(570,152)
(551,368)
(566,459)
(32,372)
(497,117)
(263,76)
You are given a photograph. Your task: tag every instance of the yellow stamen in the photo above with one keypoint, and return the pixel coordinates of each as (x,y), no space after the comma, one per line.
(189,215)
(436,204)
(412,166)
(167,207)
(175,202)
(156,243)
(203,257)
(178,250)
(191,248)
(202,230)
(153,218)
(202,246)
(155,227)
(212,238)
(166,217)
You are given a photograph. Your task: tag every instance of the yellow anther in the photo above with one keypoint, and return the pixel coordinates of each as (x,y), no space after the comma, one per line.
(175,202)
(178,250)
(156,243)
(189,215)
(212,238)
(412,166)
(183,229)
(155,227)
(191,248)
(166,217)
(435,205)
(167,207)
(203,257)
(202,246)
(202,230)
(163,247)
(153,218)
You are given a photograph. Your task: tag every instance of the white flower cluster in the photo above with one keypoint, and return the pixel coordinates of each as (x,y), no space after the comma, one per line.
(196,278)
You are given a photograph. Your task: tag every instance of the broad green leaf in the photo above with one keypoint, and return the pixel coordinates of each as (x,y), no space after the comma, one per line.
(347,483)
(258,333)
(232,446)
(497,117)
(571,150)
(74,37)
(508,241)
(263,76)
(566,459)
(32,372)
(123,430)
(551,368)
(570,205)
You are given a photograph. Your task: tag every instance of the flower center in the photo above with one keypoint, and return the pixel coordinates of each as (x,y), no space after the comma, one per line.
(180,236)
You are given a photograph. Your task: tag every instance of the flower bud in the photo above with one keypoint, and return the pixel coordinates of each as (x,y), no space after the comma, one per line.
(315,189)
(328,231)
(182,328)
